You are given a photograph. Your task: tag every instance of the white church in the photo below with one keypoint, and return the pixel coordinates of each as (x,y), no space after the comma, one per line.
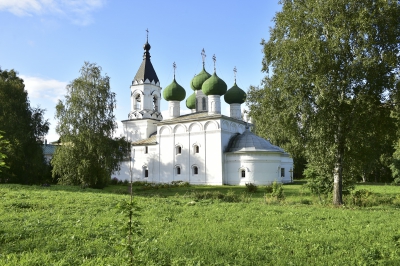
(203,147)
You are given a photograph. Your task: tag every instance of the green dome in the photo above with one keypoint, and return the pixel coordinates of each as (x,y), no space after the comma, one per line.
(214,86)
(199,79)
(191,101)
(235,95)
(174,92)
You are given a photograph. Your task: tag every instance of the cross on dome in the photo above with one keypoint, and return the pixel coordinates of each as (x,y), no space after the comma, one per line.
(174,66)
(203,56)
(215,60)
(234,72)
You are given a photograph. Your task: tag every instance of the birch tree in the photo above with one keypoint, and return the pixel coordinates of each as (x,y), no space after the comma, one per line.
(330,65)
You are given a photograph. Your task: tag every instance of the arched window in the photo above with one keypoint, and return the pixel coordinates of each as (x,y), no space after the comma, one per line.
(137,101)
(178,170)
(195,170)
(178,150)
(204,104)
(196,149)
(243,173)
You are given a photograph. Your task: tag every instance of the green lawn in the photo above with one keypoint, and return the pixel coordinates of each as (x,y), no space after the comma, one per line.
(61,225)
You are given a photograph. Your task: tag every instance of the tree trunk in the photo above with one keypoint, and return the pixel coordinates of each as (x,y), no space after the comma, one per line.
(337,183)
(338,171)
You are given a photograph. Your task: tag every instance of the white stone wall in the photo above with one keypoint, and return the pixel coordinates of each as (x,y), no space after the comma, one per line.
(214,166)
(135,130)
(261,168)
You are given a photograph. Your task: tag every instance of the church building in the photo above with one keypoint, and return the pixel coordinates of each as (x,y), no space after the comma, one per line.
(203,147)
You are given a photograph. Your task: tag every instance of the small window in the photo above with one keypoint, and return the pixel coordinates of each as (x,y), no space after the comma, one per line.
(178,170)
(146,149)
(243,173)
(195,170)
(145,172)
(178,150)
(204,104)
(282,172)
(196,149)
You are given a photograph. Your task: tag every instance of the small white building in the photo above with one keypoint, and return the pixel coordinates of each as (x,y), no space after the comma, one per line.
(204,147)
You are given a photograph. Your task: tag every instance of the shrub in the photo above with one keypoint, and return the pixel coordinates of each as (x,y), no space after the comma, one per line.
(251,187)
(359,197)
(277,191)
(269,189)
(230,196)
(114,181)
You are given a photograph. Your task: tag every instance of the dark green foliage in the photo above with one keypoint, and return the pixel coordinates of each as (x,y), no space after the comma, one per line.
(23,128)
(250,187)
(331,66)
(3,145)
(277,191)
(143,185)
(131,230)
(268,189)
(88,154)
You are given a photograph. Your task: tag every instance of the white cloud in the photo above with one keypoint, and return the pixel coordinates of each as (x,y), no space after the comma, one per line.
(45,89)
(77,11)
(45,93)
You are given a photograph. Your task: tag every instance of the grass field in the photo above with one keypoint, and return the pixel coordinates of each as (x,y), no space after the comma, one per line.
(199,225)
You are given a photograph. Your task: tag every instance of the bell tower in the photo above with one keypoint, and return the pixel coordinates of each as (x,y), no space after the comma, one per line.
(145,90)
(145,93)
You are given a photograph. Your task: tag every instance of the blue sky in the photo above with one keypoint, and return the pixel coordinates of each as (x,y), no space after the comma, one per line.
(47,42)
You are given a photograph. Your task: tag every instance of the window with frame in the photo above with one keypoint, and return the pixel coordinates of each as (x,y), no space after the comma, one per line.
(243,173)
(178,170)
(282,172)
(195,170)
(196,149)
(178,150)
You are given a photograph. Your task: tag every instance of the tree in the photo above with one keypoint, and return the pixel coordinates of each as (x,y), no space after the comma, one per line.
(88,154)
(3,145)
(18,121)
(330,66)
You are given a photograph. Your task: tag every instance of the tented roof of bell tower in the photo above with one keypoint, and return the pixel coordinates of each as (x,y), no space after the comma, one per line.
(146,70)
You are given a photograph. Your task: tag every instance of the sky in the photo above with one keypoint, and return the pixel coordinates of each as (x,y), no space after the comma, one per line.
(48,41)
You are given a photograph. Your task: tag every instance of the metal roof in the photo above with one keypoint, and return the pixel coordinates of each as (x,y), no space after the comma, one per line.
(248,141)
(150,141)
(146,69)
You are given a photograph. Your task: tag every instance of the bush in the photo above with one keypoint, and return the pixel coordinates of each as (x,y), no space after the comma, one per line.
(250,187)
(269,189)
(277,191)
(366,198)
(114,181)
(230,196)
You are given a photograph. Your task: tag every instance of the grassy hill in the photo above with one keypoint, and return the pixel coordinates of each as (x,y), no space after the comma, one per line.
(198,225)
